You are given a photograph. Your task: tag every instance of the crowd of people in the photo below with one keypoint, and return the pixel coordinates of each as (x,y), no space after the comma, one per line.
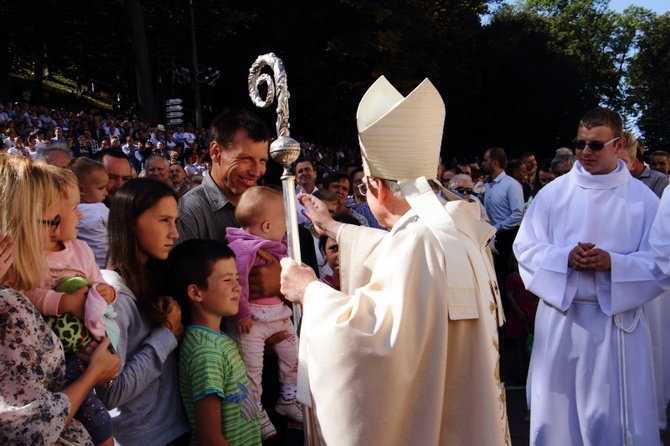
(145,280)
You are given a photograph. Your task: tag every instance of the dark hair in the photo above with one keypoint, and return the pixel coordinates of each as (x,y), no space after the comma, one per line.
(114,153)
(513,166)
(304,159)
(358,169)
(601,116)
(228,122)
(147,282)
(337,176)
(544,166)
(660,153)
(499,155)
(191,263)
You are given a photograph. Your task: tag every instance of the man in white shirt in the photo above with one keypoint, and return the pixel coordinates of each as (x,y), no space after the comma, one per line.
(306,178)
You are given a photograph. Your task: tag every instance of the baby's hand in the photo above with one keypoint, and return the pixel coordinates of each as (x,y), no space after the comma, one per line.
(106,292)
(245,325)
(74,303)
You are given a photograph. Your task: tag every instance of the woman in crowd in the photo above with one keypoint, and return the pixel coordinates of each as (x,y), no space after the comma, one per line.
(34,406)
(141,233)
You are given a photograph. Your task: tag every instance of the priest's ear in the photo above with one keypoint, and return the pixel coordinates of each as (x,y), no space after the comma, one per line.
(383,192)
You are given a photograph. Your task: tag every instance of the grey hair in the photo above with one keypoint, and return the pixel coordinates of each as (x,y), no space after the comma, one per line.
(393,187)
(42,151)
(560,159)
(564,151)
(456,180)
(156,156)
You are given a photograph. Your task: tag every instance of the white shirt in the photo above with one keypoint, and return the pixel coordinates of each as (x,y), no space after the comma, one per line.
(93,230)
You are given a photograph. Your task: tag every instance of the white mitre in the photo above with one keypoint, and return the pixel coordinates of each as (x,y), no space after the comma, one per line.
(400,140)
(400,137)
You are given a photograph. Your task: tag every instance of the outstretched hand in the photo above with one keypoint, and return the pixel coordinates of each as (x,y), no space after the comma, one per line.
(319,215)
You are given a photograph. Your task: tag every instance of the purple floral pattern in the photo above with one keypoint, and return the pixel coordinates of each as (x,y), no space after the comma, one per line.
(32,370)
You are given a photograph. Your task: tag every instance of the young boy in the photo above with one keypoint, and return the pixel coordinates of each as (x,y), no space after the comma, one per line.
(260,213)
(212,376)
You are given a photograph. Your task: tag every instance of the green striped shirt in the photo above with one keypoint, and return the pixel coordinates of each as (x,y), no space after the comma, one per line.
(210,363)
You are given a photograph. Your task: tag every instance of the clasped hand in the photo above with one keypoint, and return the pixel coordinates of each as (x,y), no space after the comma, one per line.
(586,257)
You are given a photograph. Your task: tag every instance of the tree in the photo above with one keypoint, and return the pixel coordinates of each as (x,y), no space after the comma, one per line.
(584,30)
(649,86)
(145,90)
(529,94)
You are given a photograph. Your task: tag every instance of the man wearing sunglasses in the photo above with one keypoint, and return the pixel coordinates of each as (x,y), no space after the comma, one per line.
(407,352)
(583,249)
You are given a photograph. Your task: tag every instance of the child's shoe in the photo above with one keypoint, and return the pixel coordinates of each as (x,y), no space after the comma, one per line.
(268,430)
(289,408)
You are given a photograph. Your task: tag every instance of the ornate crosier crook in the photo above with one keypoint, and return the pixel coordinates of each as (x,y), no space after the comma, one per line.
(284,150)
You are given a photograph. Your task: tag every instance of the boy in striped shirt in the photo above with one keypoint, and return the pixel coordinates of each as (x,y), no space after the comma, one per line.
(212,377)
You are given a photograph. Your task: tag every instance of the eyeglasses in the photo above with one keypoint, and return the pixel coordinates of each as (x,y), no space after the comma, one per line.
(596,146)
(464,190)
(53,223)
(362,188)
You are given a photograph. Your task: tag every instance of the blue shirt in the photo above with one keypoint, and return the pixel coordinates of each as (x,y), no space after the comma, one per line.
(504,202)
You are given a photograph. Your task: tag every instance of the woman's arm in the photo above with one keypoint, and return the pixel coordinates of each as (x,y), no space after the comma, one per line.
(31,367)
(103,366)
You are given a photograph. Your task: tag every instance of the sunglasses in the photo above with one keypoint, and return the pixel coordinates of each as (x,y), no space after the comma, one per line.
(596,146)
(464,190)
(53,223)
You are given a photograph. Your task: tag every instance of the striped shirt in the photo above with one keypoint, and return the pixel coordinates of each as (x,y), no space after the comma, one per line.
(210,364)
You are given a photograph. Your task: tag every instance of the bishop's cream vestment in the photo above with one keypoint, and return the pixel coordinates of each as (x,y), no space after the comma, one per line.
(402,356)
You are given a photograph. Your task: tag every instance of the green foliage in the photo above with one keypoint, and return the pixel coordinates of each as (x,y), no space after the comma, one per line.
(650,89)
(520,81)
(531,94)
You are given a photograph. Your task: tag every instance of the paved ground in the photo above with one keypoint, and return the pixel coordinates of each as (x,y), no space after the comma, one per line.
(519,425)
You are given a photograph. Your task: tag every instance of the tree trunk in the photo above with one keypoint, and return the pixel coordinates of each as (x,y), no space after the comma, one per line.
(138,38)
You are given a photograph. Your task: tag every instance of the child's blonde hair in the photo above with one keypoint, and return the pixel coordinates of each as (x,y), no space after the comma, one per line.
(83,167)
(253,204)
(27,189)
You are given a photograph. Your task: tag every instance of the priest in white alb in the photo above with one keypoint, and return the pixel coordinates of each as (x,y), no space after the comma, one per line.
(583,249)
(407,353)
